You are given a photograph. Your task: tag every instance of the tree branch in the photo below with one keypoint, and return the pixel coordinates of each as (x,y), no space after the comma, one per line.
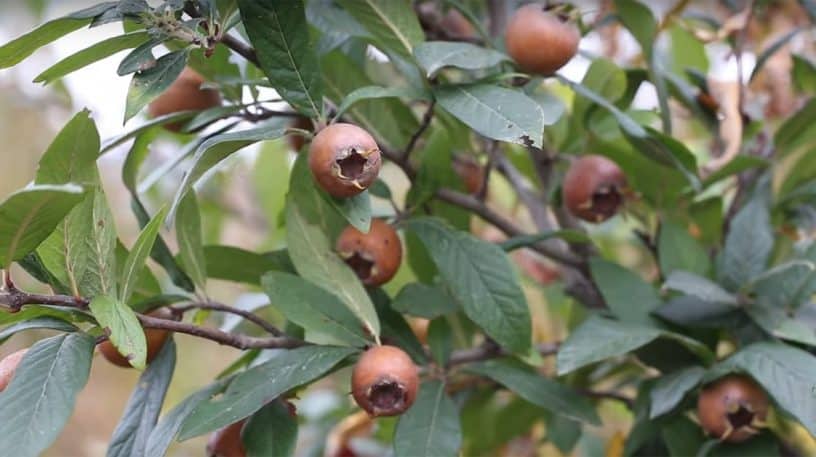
(228,339)
(252,317)
(492,351)
(244,50)
(423,126)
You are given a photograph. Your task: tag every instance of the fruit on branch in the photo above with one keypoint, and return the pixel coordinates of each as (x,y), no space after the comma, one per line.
(539,40)
(295,140)
(470,171)
(155,341)
(732,408)
(374,256)
(594,188)
(226,442)
(344,159)
(8,366)
(456,25)
(385,381)
(185,94)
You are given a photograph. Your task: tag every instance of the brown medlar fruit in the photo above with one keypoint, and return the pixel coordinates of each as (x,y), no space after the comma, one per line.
(155,341)
(457,25)
(594,188)
(8,366)
(385,381)
(184,94)
(374,256)
(732,408)
(226,442)
(539,41)
(344,159)
(470,171)
(296,140)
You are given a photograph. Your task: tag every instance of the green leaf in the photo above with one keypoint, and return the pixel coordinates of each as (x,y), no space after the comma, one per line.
(320,313)
(169,425)
(39,400)
(804,74)
(272,431)
(28,217)
(91,55)
(396,328)
(251,389)
(356,210)
(537,389)
(737,165)
(374,92)
(148,84)
(421,300)
(778,323)
(44,322)
(188,234)
(670,389)
(787,373)
(771,50)
(435,55)
(788,286)
(440,340)
(71,157)
(280,34)
(138,255)
(98,248)
(17,50)
(640,21)
(142,411)
(700,287)
(523,241)
(481,279)
(430,428)
(748,246)
(495,112)
(392,24)
(795,131)
(122,327)
(629,297)
(152,123)
(218,148)
(235,264)
(678,250)
(140,58)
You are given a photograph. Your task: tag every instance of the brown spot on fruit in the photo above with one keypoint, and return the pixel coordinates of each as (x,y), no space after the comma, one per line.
(385,381)
(226,442)
(8,366)
(374,256)
(539,41)
(155,341)
(732,408)
(344,159)
(185,94)
(593,188)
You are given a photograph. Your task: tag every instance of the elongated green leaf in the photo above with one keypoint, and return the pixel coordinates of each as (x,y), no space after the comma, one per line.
(425,301)
(188,234)
(44,322)
(435,55)
(122,327)
(479,276)
(538,390)
(149,84)
(771,50)
(72,155)
(155,122)
(320,313)
(431,427)
(98,247)
(280,34)
(138,255)
(393,23)
(670,389)
(778,323)
(90,55)
(373,92)
(272,431)
(396,328)
(17,50)
(40,398)
(251,389)
(748,246)
(678,250)
(495,112)
(640,21)
(699,287)
(142,411)
(234,264)
(29,216)
(795,131)
(628,296)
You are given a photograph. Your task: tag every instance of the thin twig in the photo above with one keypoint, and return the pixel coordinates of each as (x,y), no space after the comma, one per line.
(228,339)
(244,50)
(423,126)
(252,317)
(492,351)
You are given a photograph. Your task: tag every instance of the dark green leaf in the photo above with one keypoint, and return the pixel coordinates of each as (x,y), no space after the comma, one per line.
(795,131)
(272,431)
(440,340)
(748,246)
(669,390)
(235,264)
(640,21)
(90,55)
(374,92)
(137,257)
(44,322)
(421,300)
(699,287)
(188,234)
(395,329)
(98,248)
(804,74)
(122,327)
(628,296)
(678,250)
(435,55)
(393,24)
(139,59)
(155,122)
(431,427)
(71,157)
(778,323)
(150,83)
(737,165)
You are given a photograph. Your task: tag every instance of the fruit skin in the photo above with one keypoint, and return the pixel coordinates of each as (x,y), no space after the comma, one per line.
(185,94)
(470,171)
(155,341)
(385,381)
(593,188)
(296,141)
(539,41)
(375,256)
(718,402)
(344,159)
(8,366)
(226,442)
(456,25)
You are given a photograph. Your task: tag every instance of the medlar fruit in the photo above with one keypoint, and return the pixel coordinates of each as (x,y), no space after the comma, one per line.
(185,94)
(732,408)
(470,171)
(539,41)
(155,341)
(226,442)
(344,159)
(456,25)
(374,256)
(385,381)
(593,188)
(8,366)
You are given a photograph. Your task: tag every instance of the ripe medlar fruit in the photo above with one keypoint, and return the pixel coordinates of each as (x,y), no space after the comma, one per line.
(456,25)
(226,442)
(539,41)
(374,256)
(295,140)
(385,381)
(344,159)
(185,94)
(8,366)
(155,340)
(470,171)
(594,188)
(732,408)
